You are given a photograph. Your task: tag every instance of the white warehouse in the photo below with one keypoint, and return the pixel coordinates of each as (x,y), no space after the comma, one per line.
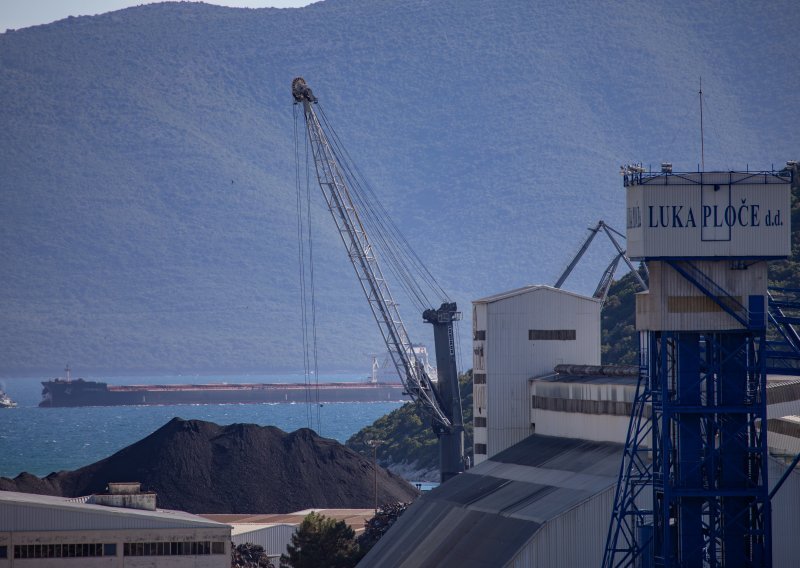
(517,335)
(40,531)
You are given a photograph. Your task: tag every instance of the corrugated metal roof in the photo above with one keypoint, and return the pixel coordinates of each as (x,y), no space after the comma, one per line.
(435,533)
(568,454)
(29,512)
(501,511)
(525,290)
(486,515)
(586,379)
(354,518)
(245,528)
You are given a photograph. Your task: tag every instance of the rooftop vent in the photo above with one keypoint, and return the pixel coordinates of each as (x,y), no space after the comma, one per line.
(127,495)
(124,488)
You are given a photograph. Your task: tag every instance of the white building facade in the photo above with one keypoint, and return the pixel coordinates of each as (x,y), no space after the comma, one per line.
(518,335)
(38,531)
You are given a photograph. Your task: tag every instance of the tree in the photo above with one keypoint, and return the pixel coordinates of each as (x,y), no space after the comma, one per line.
(620,341)
(249,556)
(321,542)
(378,525)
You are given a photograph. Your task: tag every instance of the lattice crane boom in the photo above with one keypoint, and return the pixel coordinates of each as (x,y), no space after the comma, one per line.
(332,182)
(601,292)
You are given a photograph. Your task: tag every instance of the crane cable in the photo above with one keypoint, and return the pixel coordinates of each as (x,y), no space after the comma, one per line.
(396,240)
(401,259)
(309,336)
(385,238)
(391,245)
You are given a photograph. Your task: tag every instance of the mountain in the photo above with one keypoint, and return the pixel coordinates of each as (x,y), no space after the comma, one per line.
(148,194)
(201,467)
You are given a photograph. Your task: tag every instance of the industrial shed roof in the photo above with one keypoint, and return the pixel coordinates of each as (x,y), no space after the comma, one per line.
(23,512)
(530,288)
(586,379)
(486,515)
(355,518)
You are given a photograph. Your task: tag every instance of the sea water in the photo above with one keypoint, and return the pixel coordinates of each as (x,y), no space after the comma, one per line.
(44,440)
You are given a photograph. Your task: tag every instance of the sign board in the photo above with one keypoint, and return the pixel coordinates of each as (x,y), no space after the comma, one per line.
(708,215)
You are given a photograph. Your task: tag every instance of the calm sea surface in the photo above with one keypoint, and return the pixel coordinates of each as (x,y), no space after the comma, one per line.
(43,440)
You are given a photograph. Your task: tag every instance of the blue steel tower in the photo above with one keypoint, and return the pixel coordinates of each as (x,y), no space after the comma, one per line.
(693,488)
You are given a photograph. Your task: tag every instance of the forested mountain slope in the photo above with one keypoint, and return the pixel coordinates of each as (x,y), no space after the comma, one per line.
(148,171)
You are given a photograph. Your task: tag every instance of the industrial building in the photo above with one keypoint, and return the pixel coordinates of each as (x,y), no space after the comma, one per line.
(554,438)
(584,401)
(517,335)
(40,531)
(547,500)
(273,532)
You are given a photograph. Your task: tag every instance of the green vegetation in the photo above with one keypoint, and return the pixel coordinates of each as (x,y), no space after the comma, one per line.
(321,541)
(378,525)
(249,556)
(620,342)
(409,445)
(786,273)
(407,438)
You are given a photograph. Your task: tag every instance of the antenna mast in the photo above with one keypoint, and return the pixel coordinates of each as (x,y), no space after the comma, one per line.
(702,145)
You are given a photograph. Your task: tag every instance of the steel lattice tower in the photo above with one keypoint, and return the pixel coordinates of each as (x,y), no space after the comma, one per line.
(693,488)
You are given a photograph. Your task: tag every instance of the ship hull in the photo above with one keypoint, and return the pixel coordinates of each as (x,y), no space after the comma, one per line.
(90,393)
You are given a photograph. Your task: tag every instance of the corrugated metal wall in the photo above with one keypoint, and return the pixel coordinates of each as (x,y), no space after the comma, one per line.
(785,517)
(274,539)
(675,303)
(783,444)
(610,391)
(576,538)
(511,358)
(596,427)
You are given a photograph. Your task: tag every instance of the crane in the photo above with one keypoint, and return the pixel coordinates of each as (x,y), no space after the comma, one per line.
(601,292)
(440,399)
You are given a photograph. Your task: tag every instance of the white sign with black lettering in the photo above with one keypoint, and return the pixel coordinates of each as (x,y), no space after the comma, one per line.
(709,215)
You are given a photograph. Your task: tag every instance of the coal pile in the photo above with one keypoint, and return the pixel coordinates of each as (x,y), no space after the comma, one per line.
(202,467)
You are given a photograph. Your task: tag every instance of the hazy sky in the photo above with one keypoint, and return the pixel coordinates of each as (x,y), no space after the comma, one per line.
(17,14)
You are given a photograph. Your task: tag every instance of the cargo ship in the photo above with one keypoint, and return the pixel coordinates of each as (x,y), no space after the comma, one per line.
(67,392)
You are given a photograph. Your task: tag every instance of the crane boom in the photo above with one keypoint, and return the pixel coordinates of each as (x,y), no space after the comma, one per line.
(441,400)
(608,275)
